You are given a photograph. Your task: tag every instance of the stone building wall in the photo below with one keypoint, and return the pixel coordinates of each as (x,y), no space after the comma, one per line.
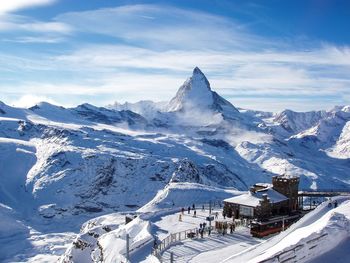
(287,186)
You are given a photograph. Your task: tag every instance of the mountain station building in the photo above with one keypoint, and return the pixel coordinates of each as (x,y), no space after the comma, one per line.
(265,200)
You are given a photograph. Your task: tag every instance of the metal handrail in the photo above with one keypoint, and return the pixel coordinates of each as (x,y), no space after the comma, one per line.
(325,190)
(173,238)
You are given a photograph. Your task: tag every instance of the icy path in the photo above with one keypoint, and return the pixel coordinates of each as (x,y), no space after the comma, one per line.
(211,249)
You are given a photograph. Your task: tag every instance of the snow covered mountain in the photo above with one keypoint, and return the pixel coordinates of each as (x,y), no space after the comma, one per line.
(295,122)
(146,108)
(66,165)
(196,95)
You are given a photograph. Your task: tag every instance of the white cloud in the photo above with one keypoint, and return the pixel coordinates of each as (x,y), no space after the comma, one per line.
(30,100)
(126,86)
(7,6)
(130,74)
(107,56)
(10,23)
(36,39)
(275,94)
(239,64)
(276,105)
(24,29)
(168,27)
(235,73)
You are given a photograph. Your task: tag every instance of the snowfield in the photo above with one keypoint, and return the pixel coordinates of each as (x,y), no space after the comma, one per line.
(319,232)
(61,167)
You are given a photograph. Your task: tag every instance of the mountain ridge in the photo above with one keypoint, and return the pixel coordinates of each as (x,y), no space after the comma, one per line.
(62,166)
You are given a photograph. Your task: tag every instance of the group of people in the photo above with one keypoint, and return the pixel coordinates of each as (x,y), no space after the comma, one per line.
(223,227)
(189,210)
(193,208)
(335,204)
(202,229)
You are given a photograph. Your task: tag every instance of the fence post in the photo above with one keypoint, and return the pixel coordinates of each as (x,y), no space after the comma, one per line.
(171,257)
(127,247)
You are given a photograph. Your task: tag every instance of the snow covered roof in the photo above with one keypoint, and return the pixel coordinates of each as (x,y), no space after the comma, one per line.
(265,185)
(288,176)
(253,199)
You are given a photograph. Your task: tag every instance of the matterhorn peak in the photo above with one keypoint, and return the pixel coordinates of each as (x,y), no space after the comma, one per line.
(197,71)
(196,93)
(199,81)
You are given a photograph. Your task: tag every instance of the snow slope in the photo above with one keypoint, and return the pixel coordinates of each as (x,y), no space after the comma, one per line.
(320,232)
(63,166)
(317,233)
(156,219)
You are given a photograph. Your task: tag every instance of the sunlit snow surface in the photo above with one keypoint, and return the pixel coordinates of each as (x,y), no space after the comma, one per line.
(61,167)
(333,224)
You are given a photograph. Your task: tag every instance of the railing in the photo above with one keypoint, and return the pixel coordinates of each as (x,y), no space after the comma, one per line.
(174,238)
(325,190)
(299,252)
(132,249)
(194,234)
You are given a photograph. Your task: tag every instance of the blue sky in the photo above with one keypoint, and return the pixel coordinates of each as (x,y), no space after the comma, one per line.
(266,55)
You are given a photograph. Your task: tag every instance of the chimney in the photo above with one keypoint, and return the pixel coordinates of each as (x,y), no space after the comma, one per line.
(265,198)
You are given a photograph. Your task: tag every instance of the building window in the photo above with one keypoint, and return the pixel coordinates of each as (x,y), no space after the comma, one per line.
(246,211)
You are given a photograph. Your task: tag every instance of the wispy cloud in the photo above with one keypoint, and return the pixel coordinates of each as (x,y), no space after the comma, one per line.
(14,5)
(35,39)
(108,56)
(24,29)
(10,22)
(156,47)
(127,73)
(162,27)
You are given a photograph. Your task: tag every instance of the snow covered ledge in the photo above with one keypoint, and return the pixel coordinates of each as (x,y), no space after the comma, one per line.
(102,239)
(306,242)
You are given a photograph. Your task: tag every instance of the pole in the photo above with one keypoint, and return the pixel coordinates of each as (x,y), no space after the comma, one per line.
(302,202)
(310,202)
(171,257)
(210,214)
(127,247)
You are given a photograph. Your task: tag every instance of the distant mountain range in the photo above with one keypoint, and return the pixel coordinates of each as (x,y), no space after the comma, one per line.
(60,162)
